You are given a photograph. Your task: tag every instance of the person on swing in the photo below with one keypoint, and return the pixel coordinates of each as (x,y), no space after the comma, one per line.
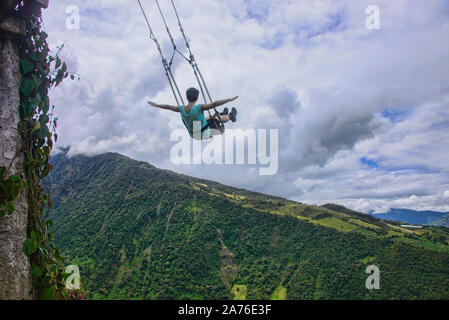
(194,112)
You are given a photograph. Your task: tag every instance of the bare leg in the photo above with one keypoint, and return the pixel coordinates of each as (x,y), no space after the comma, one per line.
(224,119)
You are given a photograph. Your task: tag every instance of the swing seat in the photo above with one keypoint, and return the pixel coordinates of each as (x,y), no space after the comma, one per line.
(215,124)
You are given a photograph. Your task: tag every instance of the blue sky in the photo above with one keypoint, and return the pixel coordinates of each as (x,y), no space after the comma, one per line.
(362,114)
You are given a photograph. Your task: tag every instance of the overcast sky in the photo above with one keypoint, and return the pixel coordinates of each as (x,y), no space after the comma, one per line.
(363,115)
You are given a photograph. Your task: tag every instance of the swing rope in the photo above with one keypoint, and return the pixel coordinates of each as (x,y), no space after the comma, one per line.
(192,60)
(167,66)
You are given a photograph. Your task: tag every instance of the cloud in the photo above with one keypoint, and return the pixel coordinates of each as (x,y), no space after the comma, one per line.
(336,91)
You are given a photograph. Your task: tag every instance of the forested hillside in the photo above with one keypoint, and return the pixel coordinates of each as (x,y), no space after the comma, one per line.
(138,232)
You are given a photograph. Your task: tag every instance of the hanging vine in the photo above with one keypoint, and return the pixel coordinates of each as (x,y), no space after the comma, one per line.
(40,72)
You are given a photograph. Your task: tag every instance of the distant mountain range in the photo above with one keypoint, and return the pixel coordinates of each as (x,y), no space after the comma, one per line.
(139,232)
(431,218)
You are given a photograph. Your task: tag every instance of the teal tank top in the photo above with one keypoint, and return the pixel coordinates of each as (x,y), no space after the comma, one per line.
(195,114)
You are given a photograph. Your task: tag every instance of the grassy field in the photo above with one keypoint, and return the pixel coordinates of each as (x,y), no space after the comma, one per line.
(239,291)
(336,223)
(279,294)
(345,223)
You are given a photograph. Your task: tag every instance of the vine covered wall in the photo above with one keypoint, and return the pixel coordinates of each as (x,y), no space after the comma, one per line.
(35,71)
(15,275)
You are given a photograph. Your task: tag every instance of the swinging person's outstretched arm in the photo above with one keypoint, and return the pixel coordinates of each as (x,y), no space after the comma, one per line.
(216,104)
(164,106)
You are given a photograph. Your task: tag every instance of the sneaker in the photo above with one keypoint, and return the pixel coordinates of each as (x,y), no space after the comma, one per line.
(233,115)
(225,112)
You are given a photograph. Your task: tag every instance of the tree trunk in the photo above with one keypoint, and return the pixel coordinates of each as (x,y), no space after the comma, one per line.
(15,273)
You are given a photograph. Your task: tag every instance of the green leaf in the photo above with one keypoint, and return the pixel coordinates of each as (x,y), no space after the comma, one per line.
(26,109)
(34,236)
(49,223)
(46,281)
(59,77)
(58,62)
(30,247)
(36,100)
(50,237)
(49,294)
(42,37)
(37,271)
(41,70)
(33,56)
(37,83)
(41,142)
(43,119)
(22,126)
(47,170)
(64,68)
(27,66)
(10,207)
(27,86)
(36,127)
(14,178)
(14,190)
(46,152)
(41,56)
(2,171)
(45,104)
(43,132)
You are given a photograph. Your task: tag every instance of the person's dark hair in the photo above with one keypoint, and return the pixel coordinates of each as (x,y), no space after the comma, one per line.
(192,94)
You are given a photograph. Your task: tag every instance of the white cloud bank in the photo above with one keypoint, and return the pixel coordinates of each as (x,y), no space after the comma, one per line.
(363,115)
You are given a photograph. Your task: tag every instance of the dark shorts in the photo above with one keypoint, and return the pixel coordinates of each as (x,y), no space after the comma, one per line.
(214,126)
(212,123)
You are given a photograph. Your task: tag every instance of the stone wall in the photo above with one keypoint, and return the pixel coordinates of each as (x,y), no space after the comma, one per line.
(15,274)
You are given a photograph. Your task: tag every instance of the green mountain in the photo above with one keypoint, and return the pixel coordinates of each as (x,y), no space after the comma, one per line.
(415,217)
(138,232)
